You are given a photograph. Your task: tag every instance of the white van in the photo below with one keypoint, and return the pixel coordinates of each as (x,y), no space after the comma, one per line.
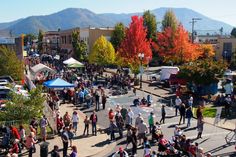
(166,71)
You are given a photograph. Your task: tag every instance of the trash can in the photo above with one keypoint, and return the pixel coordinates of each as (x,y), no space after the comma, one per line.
(44,149)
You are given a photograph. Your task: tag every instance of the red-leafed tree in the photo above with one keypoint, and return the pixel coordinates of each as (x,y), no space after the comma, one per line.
(175,46)
(135,42)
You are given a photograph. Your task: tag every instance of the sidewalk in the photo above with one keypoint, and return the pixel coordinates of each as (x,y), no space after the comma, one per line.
(87,146)
(162,93)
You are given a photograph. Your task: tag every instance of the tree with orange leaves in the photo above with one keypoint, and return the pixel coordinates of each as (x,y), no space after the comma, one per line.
(175,46)
(135,42)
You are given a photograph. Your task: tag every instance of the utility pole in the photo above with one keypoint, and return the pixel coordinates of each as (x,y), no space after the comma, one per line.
(194,20)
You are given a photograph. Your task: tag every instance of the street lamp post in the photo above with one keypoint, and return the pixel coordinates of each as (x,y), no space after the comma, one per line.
(141,57)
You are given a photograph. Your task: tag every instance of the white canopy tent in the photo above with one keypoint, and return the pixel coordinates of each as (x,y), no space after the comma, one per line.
(71,61)
(41,67)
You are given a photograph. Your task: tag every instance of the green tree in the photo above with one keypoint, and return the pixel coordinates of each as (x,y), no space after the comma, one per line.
(10,64)
(79,46)
(233,32)
(23,108)
(28,38)
(169,20)
(118,35)
(149,21)
(40,40)
(103,53)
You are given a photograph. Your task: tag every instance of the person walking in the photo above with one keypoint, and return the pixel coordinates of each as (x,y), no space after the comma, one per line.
(151,122)
(86,125)
(94,119)
(142,130)
(111,115)
(65,141)
(178,102)
(189,115)
(97,98)
(182,111)
(112,128)
(134,141)
(75,121)
(129,137)
(163,114)
(30,143)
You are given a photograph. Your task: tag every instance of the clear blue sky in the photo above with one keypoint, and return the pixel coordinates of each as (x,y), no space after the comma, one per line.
(223,10)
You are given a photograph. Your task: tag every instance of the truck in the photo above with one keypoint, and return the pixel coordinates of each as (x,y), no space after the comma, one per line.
(166,72)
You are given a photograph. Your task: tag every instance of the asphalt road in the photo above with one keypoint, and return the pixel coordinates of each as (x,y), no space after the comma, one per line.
(213,138)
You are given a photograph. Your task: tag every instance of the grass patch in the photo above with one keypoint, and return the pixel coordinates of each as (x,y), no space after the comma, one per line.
(207,112)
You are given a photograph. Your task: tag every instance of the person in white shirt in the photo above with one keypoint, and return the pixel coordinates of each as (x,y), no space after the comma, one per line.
(178,101)
(75,121)
(131,115)
(190,101)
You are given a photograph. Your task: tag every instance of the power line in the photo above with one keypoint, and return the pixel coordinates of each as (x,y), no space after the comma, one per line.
(194,20)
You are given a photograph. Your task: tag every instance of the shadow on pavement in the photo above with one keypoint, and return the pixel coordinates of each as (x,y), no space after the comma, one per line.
(101,144)
(219,148)
(190,129)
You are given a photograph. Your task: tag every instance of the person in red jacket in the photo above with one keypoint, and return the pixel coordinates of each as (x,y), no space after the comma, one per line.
(15,132)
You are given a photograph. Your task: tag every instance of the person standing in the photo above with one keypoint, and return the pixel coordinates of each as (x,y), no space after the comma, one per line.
(163,114)
(104,100)
(123,112)
(131,115)
(22,135)
(129,136)
(94,119)
(75,121)
(86,125)
(200,122)
(74,151)
(182,111)
(111,115)
(227,104)
(189,115)
(138,120)
(97,98)
(178,102)
(43,126)
(151,122)
(67,119)
(190,101)
(65,141)
(55,151)
(119,123)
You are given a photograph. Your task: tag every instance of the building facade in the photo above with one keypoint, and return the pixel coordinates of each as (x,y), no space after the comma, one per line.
(225,49)
(51,42)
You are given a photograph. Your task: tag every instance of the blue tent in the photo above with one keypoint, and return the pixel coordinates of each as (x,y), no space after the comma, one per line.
(58,83)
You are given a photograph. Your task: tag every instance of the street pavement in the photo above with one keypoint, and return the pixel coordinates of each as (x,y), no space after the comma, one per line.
(87,146)
(213,137)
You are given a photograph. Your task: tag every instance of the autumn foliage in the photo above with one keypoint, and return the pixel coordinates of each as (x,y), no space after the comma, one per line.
(175,46)
(135,42)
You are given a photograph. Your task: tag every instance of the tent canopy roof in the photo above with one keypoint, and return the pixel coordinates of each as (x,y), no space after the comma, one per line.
(58,83)
(72,61)
(41,67)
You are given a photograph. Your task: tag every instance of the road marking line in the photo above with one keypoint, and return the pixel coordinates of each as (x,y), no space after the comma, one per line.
(210,134)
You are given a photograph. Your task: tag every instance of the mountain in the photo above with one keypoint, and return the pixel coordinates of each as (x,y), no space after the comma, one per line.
(77,17)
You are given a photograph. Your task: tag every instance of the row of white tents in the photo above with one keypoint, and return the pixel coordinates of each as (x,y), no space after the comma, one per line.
(71,62)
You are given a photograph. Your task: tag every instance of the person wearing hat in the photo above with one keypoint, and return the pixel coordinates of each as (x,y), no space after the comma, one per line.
(163,114)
